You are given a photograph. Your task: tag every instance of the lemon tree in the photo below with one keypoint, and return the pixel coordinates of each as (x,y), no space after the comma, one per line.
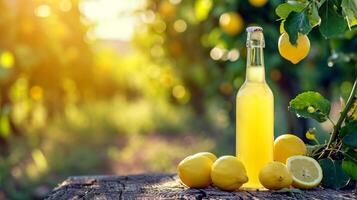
(209,62)
(331,17)
(337,157)
(303,16)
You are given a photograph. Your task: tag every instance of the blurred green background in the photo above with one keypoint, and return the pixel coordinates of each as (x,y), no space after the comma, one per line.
(120,87)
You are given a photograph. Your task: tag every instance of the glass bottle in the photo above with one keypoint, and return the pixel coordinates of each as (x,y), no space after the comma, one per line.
(255,112)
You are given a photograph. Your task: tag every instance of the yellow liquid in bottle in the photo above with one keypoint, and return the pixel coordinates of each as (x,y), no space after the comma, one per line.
(254,125)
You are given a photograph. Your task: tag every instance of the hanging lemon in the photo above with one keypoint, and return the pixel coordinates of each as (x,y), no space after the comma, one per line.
(258,3)
(294,53)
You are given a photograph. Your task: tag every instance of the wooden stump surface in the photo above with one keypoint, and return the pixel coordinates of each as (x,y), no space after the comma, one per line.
(167,186)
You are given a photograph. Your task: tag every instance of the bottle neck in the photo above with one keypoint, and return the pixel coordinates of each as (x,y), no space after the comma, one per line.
(255,64)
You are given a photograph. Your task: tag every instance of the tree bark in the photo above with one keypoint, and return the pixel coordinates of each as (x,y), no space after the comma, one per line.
(168,186)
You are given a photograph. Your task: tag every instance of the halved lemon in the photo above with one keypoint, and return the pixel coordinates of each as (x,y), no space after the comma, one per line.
(306,171)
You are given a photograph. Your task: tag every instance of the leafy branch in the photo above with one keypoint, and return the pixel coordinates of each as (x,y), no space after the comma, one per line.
(339,154)
(331,16)
(342,118)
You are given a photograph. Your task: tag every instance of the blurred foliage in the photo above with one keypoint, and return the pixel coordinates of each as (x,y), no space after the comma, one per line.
(189,31)
(72,104)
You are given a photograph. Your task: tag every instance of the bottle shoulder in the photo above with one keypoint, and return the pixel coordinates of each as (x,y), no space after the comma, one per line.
(249,88)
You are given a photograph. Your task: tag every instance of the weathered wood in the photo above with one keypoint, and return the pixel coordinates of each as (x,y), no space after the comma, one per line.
(167,186)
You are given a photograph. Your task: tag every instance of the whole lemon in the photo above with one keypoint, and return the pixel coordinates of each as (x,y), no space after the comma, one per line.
(288,145)
(208,155)
(231,23)
(275,176)
(294,53)
(228,173)
(194,171)
(258,3)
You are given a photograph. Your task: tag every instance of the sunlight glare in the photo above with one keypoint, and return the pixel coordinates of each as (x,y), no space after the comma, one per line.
(43,11)
(148,16)
(115,19)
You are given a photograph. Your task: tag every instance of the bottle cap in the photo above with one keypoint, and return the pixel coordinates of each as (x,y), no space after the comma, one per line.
(251,29)
(255,37)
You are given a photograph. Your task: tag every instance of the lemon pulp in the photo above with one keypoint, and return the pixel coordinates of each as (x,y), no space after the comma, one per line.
(306,171)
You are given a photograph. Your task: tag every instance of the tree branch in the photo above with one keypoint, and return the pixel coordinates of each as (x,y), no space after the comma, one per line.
(342,118)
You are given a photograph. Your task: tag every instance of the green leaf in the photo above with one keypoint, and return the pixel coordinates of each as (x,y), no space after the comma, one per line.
(284,9)
(349,8)
(332,24)
(333,175)
(313,15)
(297,23)
(351,139)
(349,153)
(350,168)
(301,103)
(348,129)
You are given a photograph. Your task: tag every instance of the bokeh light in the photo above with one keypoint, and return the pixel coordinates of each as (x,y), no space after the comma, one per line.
(216,53)
(179,91)
(43,10)
(180,26)
(36,93)
(127,79)
(7,59)
(233,55)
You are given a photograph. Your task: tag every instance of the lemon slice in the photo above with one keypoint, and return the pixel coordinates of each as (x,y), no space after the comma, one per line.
(306,171)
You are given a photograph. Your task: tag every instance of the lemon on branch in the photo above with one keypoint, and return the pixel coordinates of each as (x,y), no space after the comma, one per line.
(294,53)
(258,3)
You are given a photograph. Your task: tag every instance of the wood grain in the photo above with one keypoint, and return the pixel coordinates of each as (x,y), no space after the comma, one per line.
(167,186)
